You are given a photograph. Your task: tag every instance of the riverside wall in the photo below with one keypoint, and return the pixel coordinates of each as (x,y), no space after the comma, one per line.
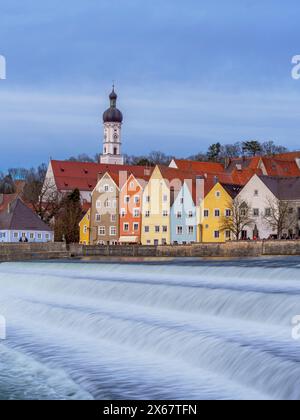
(34,251)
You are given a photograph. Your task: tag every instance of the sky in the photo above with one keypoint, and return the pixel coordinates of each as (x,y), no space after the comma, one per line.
(188,74)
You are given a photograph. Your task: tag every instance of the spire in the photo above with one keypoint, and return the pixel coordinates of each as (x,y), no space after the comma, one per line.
(113,98)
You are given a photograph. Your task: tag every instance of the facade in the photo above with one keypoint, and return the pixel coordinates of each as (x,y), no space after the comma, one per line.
(84,229)
(156,211)
(263,192)
(184,216)
(112,143)
(104,218)
(131,198)
(18,223)
(217,205)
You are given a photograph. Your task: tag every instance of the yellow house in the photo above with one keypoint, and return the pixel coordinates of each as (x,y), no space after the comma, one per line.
(217,205)
(158,198)
(84,227)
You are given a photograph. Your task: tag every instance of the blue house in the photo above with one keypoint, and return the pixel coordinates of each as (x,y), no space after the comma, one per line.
(184,217)
(18,223)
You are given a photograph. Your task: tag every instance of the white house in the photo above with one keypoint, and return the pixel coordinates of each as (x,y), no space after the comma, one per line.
(259,193)
(18,223)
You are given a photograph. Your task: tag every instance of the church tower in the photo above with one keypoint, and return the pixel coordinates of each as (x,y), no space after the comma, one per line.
(112,120)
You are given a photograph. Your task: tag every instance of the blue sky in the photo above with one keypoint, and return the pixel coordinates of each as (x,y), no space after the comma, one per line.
(188,73)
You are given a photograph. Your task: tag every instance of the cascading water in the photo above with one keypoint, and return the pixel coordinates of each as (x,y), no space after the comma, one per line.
(192,330)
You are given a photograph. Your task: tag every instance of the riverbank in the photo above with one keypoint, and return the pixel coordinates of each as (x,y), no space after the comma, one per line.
(51,251)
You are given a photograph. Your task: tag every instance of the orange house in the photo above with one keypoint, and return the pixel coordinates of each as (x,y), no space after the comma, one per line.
(131,198)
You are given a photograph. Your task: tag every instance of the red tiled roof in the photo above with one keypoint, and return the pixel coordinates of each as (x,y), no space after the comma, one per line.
(282,168)
(194,166)
(84,176)
(288,156)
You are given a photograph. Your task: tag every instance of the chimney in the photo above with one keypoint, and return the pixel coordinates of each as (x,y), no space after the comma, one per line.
(200,183)
(216,180)
(227,162)
(147,172)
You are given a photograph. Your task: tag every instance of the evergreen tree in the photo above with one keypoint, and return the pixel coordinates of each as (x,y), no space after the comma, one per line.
(67,222)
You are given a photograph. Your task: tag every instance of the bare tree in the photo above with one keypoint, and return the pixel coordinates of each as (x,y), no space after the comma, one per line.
(41,193)
(280,216)
(237,219)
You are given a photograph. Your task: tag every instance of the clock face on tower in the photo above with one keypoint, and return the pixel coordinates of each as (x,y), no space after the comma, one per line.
(116,136)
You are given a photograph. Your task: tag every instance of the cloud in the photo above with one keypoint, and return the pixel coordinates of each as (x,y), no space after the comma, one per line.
(174,118)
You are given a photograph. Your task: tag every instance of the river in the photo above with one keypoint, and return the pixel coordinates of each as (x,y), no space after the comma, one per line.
(182,329)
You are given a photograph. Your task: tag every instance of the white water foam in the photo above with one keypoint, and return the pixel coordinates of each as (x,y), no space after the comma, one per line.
(143,331)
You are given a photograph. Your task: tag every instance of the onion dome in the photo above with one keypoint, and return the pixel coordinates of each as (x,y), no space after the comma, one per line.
(113,114)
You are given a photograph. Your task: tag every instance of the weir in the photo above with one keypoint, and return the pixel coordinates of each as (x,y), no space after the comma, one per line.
(151,331)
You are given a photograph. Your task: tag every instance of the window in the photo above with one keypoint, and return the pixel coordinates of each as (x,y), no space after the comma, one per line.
(228,234)
(206,213)
(39,236)
(123,212)
(148,242)
(136,213)
(165,213)
(114,203)
(16,235)
(191,230)
(136,227)
(126,199)
(136,199)
(47,236)
(107,204)
(268,212)
(148,199)
(147,229)
(31,236)
(165,198)
(255,212)
(147,214)
(228,213)
(182,200)
(157,229)
(191,214)
(101,231)
(217,213)
(218,194)
(113,218)
(131,185)
(113,231)
(255,193)
(98,217)
(98,204)
(165,229)
(179,230)
(217,234)
(291,210)
(126,227)
(106,188)
(179,215)
(84,229)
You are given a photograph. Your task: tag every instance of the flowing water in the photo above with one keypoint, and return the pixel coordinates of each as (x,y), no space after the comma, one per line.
(170,330)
